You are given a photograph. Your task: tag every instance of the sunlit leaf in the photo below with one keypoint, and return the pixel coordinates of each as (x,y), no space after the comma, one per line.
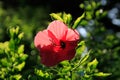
(20,36)
(93,3)
(84,58)
(65,63)
(23,57)
(20,66)
(69,19)
(21,49)
(89,7)
(101,74)
(5,62)
(81,47)
(15,77)
(56,16)
(65,18)
(92,65)
(77,21)
(82,5)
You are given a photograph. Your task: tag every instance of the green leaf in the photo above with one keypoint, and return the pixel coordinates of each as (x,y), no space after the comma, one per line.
(93,3)
(12,31)
(89,7)
(89,15)
(20,66)
(20,36)
(15,77)
(20,49)
(104,13)
(12,45)
(83,59)
(81,43)
(66,69)
(83,22)
(23,57)
(17,30)
(65,17)
(97,13)
(39,72)
(65,63)
(78,20)
(69,18)
(92,65)
(101,74)
(5,62)
(82,6)
(4,47)
(56,16)
(81,47)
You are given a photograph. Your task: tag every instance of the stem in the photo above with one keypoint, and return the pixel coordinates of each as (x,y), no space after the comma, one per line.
(77,65)
(83,59)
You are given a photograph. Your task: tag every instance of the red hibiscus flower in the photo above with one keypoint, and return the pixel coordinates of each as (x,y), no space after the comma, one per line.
(56,43)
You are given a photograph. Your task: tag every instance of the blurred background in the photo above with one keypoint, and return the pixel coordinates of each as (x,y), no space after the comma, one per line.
(100,28)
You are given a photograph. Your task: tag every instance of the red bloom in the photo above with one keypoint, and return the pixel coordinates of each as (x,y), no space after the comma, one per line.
(56,43)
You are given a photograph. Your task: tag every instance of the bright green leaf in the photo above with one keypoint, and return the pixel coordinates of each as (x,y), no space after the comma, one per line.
(101,74)
(12,31)
(65,17)
(20,36)
(82,6)
(39,72)
(56,16)
(77,21)
(23,57)
(84,58)
(5,62)
(89,15)
(81,47)
(69,18)
(83,22)
(65,63)
(17,30)
(92,65)
(20,66)
(21,49)
(15,77)
(93,3)
(89,7)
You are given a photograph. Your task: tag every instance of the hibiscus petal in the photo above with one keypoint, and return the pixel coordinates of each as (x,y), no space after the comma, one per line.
(69,52)
(58,28)
(42,39)
(55,40)
(72,35)
(48,56)
(66,55)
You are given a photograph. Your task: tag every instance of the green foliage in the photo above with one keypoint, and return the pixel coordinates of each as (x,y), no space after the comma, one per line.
(77,21)
(30,20)
(67,18)
(12,57)
(78,68)
(25,19)
(103,41)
